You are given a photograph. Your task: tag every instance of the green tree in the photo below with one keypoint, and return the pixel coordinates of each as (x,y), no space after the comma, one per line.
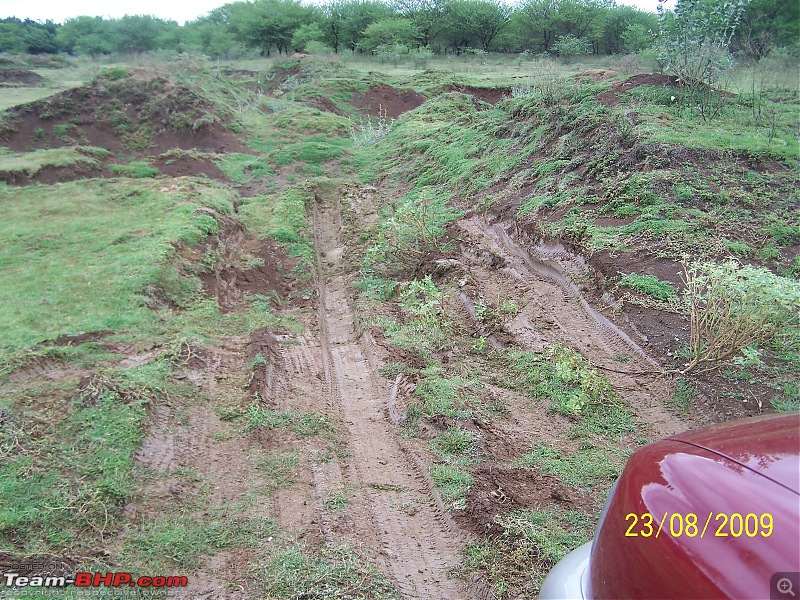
(265,24)
(85,35)
(309,32)
(476,22)
(390,32)
(695,38)
(767,24)
(137,33)
(430,16)
(344,21)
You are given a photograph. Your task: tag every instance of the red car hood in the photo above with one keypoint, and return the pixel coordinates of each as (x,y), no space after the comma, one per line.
(768,445)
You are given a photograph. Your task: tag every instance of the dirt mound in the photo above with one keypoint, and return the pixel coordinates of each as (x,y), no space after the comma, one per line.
(19,77)
(132,114)
(489,95)
(189,166)
(392,101)
(498,490)
(610,97)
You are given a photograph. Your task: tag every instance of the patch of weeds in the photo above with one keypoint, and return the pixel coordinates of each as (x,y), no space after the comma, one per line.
(335,501)
(310,425)
(244,167)
(303,424)
(180,542)
(338,572)
(558,374)
(91,435)
(455,444)
(789,400)
(391,370)
(532,542)
(279,468)
(453,484)
(283,218)
(588,469)
(649,285)
(437,394)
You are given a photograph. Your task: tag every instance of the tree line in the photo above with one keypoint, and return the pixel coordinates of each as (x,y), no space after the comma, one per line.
(558,27)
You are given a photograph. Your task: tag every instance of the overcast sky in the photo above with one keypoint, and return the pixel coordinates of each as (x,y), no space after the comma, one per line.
(177,10)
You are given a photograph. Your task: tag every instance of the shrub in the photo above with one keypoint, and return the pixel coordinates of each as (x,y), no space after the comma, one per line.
(732,306)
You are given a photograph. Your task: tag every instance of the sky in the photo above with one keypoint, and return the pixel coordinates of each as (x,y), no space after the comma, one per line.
(176,10)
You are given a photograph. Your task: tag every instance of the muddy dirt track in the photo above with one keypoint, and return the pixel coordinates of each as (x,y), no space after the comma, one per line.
(419,548)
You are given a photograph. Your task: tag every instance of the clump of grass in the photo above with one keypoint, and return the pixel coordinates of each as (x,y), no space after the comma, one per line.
(531,543)
(453,483)
(649,285)
(136,170)
(588,469)
(303,424)
(279,469)
(558,374)
(283,218)
(30,163)
(789,400)
(293,572)
(438,394)
(179,542)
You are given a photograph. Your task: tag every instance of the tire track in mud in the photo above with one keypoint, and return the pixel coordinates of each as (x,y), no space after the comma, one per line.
(406,525)
(549,294)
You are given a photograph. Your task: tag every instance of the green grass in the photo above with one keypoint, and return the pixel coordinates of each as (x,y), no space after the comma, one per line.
(30,163)
(439,394)
(244,167)
(303,424)
(453,483)
(292,571)
(558,375)
(86,256)
(135,170)
(68,450)
(278,468)
(282,217)
(589,469)
(180,542)
(681,400)
(531,543)
(650,285)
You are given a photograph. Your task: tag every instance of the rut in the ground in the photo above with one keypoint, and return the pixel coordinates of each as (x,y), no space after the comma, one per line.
(546,294)
(404,520)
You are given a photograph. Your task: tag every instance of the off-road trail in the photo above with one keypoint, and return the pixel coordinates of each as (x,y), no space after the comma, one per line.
(417,542)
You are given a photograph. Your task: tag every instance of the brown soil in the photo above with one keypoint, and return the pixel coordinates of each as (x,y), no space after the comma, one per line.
(19,77)
(394,102)
(244,267)
(189,166)
(497,490)
(610,97)
(489,95)
(77,340)
(50,175)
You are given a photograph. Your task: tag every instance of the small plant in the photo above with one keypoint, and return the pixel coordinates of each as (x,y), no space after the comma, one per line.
(681,399)
(367,132)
